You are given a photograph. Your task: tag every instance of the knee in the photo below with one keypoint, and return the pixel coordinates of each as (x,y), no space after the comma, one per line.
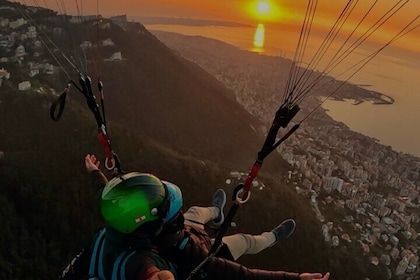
(194,210)
(248,239)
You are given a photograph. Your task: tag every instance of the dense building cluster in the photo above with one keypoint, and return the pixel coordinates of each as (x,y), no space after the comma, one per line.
(27,47)
(361,191)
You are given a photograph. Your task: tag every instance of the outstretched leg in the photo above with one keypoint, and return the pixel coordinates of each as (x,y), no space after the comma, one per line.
(198,216)
(246,244)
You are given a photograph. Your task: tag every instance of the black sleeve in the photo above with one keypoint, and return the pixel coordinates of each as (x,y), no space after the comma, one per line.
(219,268)
(77,268)
(98,180)
(141,266)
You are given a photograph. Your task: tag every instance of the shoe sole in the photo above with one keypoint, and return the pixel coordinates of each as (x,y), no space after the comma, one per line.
(222,215)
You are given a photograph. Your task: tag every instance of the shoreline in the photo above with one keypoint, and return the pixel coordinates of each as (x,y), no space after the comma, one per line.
(360,95)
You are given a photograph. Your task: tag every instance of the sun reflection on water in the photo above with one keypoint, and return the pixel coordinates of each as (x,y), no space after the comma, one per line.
(259,38)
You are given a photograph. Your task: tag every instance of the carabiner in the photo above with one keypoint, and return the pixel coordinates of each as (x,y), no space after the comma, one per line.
(108,165)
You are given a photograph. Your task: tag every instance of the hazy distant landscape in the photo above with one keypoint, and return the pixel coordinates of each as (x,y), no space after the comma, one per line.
(184,21)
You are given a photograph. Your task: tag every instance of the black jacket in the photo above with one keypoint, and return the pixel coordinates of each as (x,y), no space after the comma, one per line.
(109,256)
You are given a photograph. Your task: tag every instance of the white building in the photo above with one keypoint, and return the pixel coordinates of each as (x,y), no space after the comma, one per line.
(235,175)
(37,44)
(107,43)
(335,241)
(402,266)
(4,43)
(24,85)
(33,72)
(31,32)
(48,69)
(20,51)
(4,22)
(336,183)
(17,23)
(4,74)
(86,45)
(325,233)
(374,260)
(116,56)
(394,240)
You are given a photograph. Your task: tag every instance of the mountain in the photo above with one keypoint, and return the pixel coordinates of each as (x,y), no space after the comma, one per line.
(165,115)
(176,102)
(184,21)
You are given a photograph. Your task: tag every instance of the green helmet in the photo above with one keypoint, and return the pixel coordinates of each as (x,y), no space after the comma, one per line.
(135,202)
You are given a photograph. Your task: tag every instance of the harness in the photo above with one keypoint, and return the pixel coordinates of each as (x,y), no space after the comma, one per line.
(96,266)
(194,234)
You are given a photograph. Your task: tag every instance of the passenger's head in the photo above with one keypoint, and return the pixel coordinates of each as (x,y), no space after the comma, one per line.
(174,220)
(135,203)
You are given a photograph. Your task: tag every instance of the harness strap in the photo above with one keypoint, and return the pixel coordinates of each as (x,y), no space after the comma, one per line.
(117,265)
(173,268)
(96,268)
(61,103)
(101,261)
(93,267)
(124,263)
(183,243)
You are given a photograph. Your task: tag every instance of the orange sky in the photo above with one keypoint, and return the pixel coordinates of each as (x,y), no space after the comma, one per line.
(232,10)
(244,11)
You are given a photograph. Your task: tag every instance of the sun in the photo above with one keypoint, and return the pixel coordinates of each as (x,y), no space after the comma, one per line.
(265,10)
(263,7)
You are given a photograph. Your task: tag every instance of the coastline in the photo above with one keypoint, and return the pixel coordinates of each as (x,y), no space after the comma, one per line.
(384,123)
(382,100)
(360,95)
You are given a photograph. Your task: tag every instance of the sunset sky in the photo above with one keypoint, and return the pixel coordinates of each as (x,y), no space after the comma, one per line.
(232,10)
(244,11)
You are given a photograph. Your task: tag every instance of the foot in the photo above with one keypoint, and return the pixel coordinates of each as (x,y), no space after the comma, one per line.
(284,230)
(219,201)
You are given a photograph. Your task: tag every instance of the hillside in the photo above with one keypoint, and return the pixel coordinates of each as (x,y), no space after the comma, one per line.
(183,21)
(167,116)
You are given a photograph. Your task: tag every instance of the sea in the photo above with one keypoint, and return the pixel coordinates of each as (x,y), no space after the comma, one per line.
(394,72)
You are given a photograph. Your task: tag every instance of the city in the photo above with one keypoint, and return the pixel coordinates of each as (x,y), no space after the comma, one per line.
(362,192)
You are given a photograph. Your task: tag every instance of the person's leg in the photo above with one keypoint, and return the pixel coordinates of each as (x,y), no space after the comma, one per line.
(198,216)
(246,244)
